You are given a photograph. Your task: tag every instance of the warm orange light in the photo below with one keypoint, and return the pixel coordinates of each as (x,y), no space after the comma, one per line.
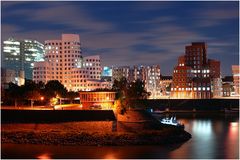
(53,101)
(57,96)
(109,156)
(42,98)
(44,156)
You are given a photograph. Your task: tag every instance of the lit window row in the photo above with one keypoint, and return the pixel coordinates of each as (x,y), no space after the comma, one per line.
(11,42)
(189,89)
(201,88)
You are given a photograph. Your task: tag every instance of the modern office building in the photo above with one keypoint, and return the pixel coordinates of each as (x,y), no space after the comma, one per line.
(106,74)
(63,61)
(236,75)
(195,76)
(152,81)
(216,79)
(19,55)
(182,86)
(33,51)
(149,74)
(11,57)
(165,85)
(7,76)
(227,86)
(119,72)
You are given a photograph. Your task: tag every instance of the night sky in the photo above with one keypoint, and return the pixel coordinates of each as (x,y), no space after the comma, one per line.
(129,33)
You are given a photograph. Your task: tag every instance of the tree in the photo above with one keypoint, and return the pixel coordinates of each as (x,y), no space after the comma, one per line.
(33,95)
(120,87)
(137,90)
(54,88)
(14,92)
(126,92)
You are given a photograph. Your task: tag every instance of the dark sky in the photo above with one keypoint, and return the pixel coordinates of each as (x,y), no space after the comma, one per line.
(128,33)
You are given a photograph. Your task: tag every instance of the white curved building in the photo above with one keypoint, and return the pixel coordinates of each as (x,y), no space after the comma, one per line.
(64,62)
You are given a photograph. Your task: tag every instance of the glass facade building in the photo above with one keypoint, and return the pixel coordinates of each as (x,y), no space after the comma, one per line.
(21,55)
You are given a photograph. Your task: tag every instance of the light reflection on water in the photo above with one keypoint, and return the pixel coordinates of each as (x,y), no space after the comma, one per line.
(44,156)
(211,138)
(202,145)
(110,156)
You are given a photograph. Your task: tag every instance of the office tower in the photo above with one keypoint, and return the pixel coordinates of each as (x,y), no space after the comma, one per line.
(150,75)
(63,61)
(19,55)
(195,76)
(236,74)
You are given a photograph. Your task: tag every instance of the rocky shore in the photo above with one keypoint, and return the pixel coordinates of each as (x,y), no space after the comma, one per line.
(134,128)
(167,136)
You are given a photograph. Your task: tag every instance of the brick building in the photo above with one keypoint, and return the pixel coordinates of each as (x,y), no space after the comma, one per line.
(195,76)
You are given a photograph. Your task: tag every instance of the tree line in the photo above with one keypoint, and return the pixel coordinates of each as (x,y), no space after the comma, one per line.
(126,92)
(41,93)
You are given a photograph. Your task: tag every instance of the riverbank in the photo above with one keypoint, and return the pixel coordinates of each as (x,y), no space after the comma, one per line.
(211,138)
(134,128)
(70,137)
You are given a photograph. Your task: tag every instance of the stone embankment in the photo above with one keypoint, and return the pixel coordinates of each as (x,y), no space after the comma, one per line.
(134,128)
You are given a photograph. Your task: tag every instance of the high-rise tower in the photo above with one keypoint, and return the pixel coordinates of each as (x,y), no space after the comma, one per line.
(195,76)
(63,61)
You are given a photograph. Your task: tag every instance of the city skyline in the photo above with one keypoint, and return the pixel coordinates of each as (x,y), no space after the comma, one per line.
(131,33)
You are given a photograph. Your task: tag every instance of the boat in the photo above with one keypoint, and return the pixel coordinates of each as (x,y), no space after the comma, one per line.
(172,121)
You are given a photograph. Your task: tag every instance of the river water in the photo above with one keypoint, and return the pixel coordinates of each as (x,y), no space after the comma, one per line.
(212,137)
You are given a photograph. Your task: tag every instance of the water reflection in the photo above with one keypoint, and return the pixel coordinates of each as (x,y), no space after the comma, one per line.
(211,138)
(202,128)
(44,156)
(110,156)
(204,137)
(232,138)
